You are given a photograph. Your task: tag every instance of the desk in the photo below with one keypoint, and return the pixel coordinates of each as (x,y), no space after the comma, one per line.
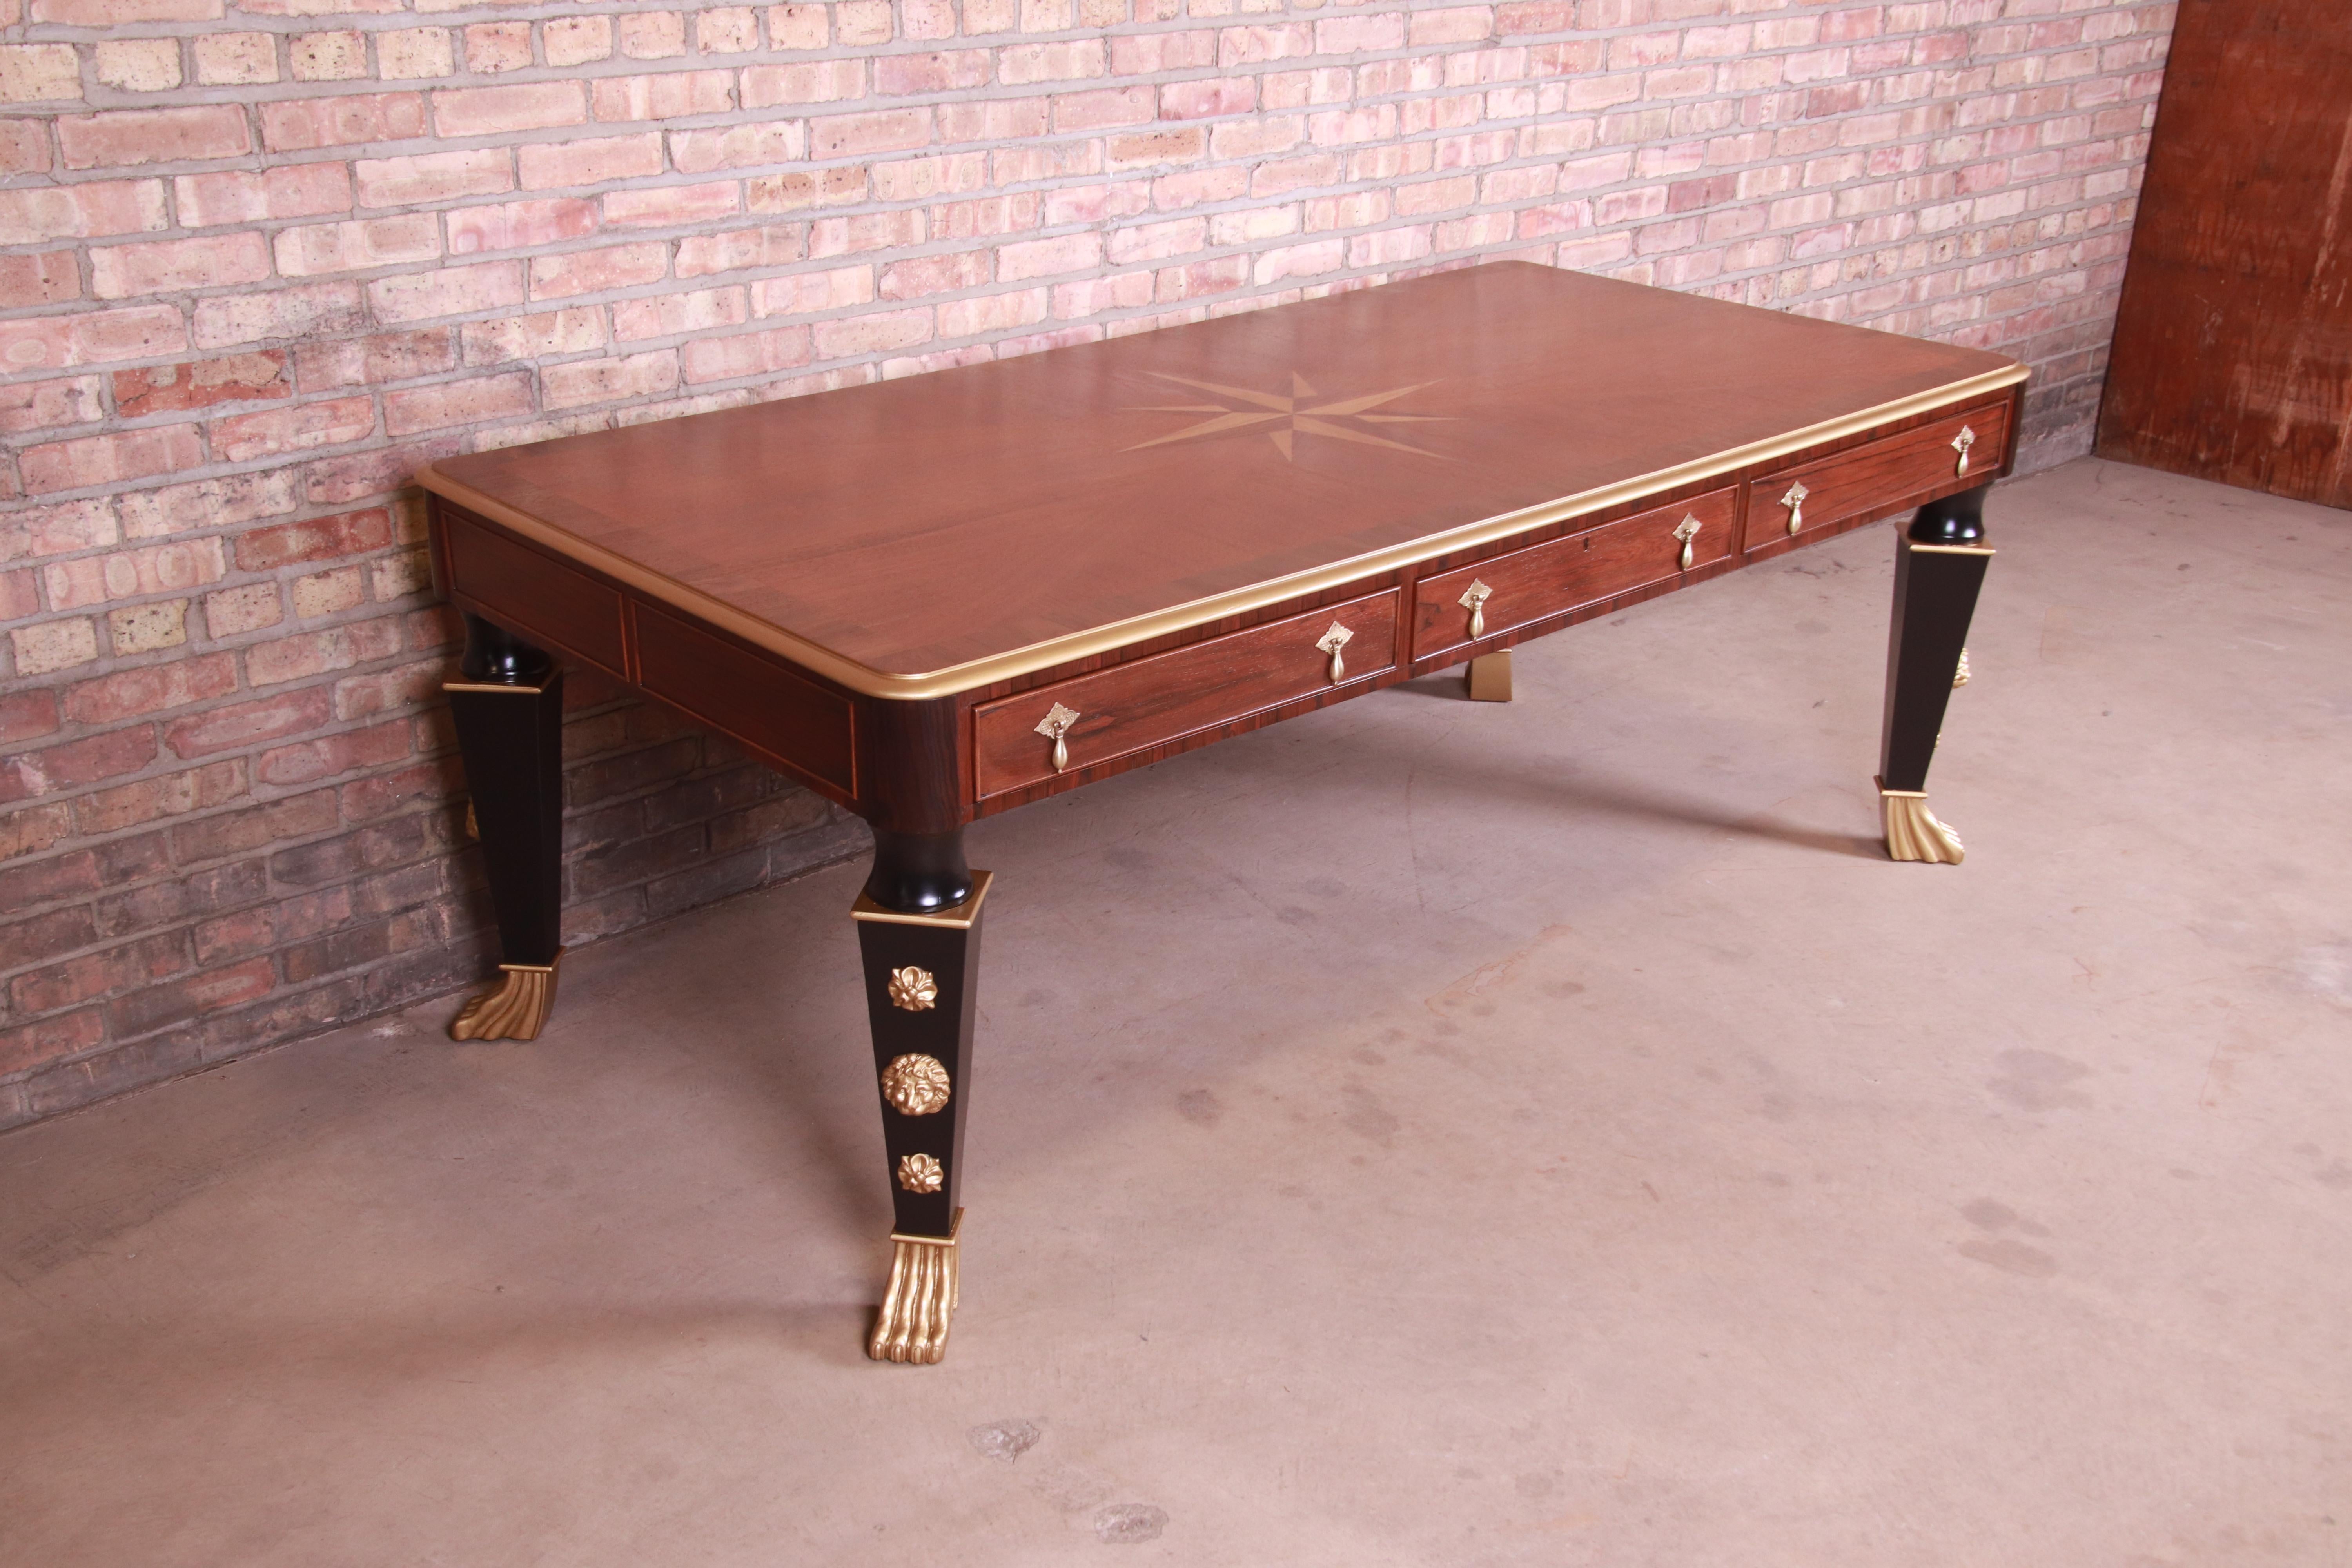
(939,598)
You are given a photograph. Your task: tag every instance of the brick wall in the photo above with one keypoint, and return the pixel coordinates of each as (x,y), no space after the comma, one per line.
(258,260)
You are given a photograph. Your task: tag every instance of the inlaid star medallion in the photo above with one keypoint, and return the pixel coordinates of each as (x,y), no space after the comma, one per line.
(1304,412)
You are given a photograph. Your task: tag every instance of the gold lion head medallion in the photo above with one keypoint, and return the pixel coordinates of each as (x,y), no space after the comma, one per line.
(915,1085)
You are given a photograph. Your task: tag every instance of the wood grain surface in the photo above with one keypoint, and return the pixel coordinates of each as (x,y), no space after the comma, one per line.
(923,523)
(2233,356)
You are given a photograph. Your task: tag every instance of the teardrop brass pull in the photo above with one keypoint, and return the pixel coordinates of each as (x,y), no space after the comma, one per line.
(1795,501)
(1960,443)
(1056,727)
(1332,642)
(1474,599)
(1686,530)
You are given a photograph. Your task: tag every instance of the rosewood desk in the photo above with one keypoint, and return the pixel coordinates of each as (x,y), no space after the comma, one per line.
(936,598)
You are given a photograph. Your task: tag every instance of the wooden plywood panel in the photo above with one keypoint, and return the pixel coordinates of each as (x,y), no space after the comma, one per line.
(2233,356)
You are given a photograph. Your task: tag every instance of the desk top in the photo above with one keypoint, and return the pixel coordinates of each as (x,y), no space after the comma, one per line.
(935,532)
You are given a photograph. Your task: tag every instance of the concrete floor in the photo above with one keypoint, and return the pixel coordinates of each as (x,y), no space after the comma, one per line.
(1424,1133)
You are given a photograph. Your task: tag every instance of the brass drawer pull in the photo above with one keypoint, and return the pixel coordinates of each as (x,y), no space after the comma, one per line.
(1686,530)
(1960,443)
(1056,727)
(1332,642)
(1795,501)
(1474,599)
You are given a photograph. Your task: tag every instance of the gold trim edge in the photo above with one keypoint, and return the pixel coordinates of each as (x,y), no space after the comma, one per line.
(960,918)
(956,678)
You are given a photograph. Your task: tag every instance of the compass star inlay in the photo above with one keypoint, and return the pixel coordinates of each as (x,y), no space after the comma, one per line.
(1302,412)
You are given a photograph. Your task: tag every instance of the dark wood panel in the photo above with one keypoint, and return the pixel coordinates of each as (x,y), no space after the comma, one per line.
(528,592)
(1531,584)
(749,697)
(932,520)
(1134,705)
(1880,476)
(2232,357)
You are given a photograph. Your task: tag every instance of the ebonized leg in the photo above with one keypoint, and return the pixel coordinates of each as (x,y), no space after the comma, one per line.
(918,936)
(1939,564)
(508,709)
(1490,678)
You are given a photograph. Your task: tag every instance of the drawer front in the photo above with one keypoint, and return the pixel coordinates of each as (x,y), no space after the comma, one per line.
(1561,575)
(1180,692)
(533,593)
(794,720)
(1881,477)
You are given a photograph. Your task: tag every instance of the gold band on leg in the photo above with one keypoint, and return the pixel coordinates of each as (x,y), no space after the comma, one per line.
(1913,832)
(516,1008)
(913,1323)
(1490,678)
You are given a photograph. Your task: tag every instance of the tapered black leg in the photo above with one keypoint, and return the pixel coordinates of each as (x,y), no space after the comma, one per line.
(1939,564)
(918,936)
(508,710)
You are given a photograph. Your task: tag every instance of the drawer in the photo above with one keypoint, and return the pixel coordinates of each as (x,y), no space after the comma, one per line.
(1883,477)
(533,593)
(1181,692)
(1561,575)
(793,722)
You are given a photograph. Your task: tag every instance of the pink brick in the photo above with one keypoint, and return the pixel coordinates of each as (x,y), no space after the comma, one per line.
(993,313)
(101,207)
(775,245)
(857,136)
(674,315)
(555,166)
(1020,63)
(1042,258)
(307,309)
(735,147)
(294,429)
(1208,97)
(446,292)
(118,12)
(747,353)
(456,403)
(201,383)
(109,459)
(868,231)
(292,190)
(667,96)
(663,206)
(433,177)
(356,246)
(132,573)
(330,755)
(918,276)
(285,658)
(512,337)
(817,81)
(876,333)
(514,226)
(57,343)
(495,111)
(133,136)
(154,689)
(297,125)
(806,293)
(366,362)
(594,380)
(954,71)
(593,271)
(314,539)
(47,278)
(30,405)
